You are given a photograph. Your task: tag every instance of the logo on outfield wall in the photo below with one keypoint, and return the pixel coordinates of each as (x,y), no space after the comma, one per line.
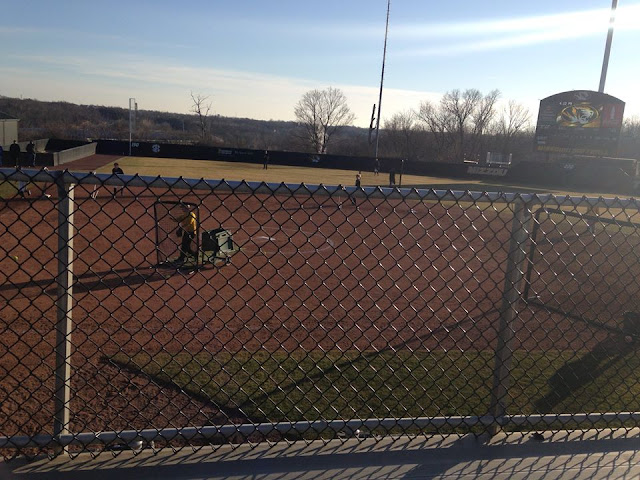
(155,148)
(581,122)
(496,172)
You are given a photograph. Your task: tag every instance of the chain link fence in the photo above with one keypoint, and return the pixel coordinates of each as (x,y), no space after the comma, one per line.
(140,312)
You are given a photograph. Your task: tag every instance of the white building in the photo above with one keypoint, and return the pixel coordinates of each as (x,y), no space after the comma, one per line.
(8,129)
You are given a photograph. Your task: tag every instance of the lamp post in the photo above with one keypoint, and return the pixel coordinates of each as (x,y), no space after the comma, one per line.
(132,105)
(607,48)
(384,56)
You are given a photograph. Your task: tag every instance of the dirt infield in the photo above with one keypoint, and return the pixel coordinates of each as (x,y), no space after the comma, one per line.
(382,275)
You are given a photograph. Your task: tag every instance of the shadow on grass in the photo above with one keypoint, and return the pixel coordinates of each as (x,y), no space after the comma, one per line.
(227,411)
(569,379)
(272,386)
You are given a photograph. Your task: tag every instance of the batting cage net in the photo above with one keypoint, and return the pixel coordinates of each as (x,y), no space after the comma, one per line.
(391,312)
(585,267)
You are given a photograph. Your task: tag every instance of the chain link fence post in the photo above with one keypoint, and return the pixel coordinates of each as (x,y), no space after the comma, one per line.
(64,304)
(514,276)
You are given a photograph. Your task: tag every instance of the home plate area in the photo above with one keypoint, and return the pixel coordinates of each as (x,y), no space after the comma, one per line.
(270,240)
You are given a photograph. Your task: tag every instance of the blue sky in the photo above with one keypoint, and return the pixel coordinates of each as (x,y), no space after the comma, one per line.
(255,59)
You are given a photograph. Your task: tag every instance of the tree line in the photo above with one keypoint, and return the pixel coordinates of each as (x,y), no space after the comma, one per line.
(463,125)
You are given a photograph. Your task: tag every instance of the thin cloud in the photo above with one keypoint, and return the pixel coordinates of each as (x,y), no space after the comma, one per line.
(143,71)
(4,30)
(504,42)
(486,35)
(158,86)
(88,37)
(627,17)
(573,20)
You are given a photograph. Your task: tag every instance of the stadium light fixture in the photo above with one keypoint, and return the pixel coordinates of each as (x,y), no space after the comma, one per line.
(132,106)
(607,48)
(384,56)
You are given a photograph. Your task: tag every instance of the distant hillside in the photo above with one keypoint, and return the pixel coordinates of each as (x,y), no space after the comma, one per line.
(65,120)
(81,122)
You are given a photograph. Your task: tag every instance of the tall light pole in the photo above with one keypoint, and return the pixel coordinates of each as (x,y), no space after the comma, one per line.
(384,56)
(607,48)
(133,106)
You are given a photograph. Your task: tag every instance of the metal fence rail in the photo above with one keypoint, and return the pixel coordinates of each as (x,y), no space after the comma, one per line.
(306,312)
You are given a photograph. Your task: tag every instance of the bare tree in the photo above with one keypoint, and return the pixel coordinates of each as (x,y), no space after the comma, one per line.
(400,130)
(201,107)
(631,127)
(481,119)
(459,123)
(321,113)
(441,125)
(461,107)
(514,120)
(629,146)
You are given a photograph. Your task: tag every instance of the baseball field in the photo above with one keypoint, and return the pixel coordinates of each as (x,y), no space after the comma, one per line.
(386,307)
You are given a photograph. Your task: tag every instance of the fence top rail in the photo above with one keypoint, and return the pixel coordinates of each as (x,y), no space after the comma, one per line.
(241,186)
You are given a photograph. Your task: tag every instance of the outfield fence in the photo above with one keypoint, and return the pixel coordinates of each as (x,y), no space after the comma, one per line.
(306,312)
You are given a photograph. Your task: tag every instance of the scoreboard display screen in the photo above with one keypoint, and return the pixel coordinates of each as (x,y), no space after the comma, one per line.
(579,122)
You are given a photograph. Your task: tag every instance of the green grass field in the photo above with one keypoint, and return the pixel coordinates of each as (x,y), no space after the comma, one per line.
(337,385)
(8,189)
(277,173)
(186,168)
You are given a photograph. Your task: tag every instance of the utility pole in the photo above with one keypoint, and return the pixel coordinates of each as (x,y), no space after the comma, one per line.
(384,56)
(607,48)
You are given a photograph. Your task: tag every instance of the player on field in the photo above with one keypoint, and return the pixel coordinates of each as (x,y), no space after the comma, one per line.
(358,184)
(187,230)
(31,153)
(14,153)
(116,170)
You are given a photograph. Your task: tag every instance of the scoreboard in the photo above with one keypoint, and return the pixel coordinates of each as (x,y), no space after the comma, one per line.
(579,122)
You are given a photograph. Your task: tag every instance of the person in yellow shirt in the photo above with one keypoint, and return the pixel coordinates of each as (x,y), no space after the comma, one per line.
(187,230)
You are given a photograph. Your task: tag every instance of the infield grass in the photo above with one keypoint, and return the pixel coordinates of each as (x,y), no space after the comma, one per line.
(298,386)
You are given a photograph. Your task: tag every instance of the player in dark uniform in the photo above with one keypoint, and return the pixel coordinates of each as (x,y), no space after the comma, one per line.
(358,184)
(31,153)
(14,153)
(116,170)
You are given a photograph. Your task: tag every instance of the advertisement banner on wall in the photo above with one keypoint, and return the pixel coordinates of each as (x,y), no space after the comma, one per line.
(580,122)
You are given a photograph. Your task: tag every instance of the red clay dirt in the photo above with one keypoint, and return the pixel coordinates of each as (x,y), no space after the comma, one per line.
(387,275)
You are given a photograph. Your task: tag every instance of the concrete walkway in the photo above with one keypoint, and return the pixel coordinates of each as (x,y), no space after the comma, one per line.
(593,454)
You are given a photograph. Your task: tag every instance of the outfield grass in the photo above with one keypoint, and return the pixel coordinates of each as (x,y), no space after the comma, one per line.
(310,175)
(171,167)
(8,189)
(339,385)
(255,173)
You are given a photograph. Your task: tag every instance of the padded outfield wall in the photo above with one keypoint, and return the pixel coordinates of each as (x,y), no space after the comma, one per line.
(608,175)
